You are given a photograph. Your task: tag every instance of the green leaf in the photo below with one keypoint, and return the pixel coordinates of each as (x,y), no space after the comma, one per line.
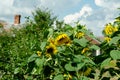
(74,66)
(37,70)
(43,44)
(88,61)
(68,27)
(69,33)
(45,33)
(80,65)
(50,32)
(94,47)
(76,41)
(32,57)
(115,54)
(17,70)
(39,62)
(69,67)
(82,41)
(59,77)
(83,78)
(105,62)
(34,71)
(78,58)
(114,40)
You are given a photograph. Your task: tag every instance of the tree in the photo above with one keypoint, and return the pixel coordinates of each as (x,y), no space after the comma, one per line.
(43,18)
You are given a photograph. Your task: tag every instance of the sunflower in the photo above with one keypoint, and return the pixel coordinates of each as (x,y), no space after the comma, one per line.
(51,49)
(79,35)
(62,39)
(84,50)
(85,72)
(109,29)
(51,40)
(107,39)
(39,53)
(115,29)
(67,76)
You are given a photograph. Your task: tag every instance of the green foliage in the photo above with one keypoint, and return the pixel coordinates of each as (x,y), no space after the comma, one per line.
(114,40)
(115,54)
(82,42)
(43,18)
(58,77)
(40,52)
(105,62)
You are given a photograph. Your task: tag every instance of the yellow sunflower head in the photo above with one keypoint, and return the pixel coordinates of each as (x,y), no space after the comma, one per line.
(79,35)
(85,50)
(62,39)
(51,40)
(115,29)
(39,53)
(107,39)
(110,29)
(51,49)
(67,76)
(86,71)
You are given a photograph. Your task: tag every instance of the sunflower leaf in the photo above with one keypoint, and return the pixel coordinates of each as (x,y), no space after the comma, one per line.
(43,44)
(114,40)
(74,66)
(115,54)
(82,41)
(105,62)
(69,67)
(58,77)
(32,57)
(50,32)
(95,47)
(83,78)
(39,62)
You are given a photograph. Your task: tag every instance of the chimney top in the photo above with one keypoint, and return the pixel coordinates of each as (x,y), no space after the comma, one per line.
(17,19)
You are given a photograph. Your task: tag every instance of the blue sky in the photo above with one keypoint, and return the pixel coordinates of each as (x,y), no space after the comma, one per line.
(92,13)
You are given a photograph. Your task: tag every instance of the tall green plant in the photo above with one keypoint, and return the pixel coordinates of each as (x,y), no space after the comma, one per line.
(43,18)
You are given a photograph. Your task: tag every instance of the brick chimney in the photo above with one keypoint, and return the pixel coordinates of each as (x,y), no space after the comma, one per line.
(17,19)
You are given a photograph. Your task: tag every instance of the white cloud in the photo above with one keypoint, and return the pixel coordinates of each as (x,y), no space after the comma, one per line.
(7,2)
(25,7)
(95,19)
(5,8)
(9,8)
(84,12)
(110,4)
